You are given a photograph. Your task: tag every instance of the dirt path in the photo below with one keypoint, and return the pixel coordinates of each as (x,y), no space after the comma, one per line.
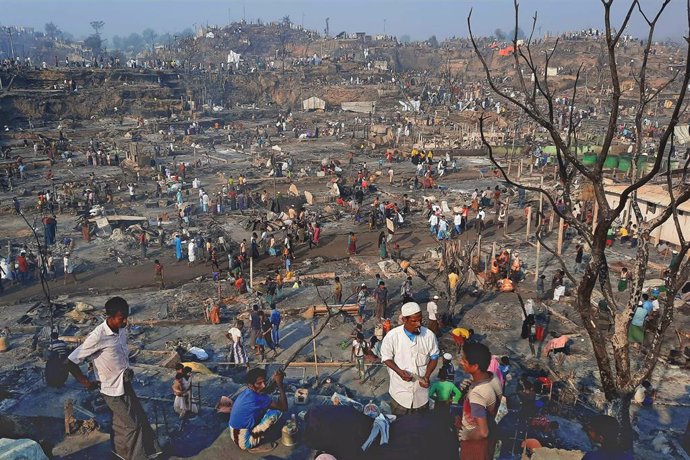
(332,247)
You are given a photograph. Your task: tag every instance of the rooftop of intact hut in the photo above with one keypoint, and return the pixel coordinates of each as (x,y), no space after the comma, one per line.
(650,193)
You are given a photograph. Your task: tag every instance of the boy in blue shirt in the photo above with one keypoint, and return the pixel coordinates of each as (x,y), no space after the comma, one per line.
(254,412)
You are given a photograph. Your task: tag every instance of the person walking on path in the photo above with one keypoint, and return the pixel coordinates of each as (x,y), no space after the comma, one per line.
(357,355)
(337,291)
(383,250)
(432,310)
(316,235)
(68,268)
(158,273)
(178,248)
(381,296)
(362,300)
(234,335)
(352,244)
(275,320)
(191,252)
(132,436)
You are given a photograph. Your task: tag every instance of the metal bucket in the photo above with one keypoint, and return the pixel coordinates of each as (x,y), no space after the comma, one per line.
(288,436)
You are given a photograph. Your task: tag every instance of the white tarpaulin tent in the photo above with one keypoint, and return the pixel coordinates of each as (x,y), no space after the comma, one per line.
(410,106)
(313,103)
(681,133)
(234,58)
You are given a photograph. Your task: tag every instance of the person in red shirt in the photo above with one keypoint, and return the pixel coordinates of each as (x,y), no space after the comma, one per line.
(143,244)
(158,273)
(240,285)
(23,266)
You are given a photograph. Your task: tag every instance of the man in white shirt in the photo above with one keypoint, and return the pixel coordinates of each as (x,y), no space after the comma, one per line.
(480,220)
(442,228)
(234,335)
(432,310)
(132,436)
(411,353)
(457,222)
(433,223)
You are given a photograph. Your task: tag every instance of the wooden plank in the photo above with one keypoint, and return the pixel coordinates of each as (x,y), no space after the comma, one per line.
(317,276)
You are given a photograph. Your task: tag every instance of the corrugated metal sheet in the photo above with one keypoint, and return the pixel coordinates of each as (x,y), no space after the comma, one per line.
(654,194)
(360,107)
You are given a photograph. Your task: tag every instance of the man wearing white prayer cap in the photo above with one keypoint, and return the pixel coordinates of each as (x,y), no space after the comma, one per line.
(411,353)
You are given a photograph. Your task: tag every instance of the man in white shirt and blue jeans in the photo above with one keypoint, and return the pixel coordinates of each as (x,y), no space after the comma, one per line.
(132,437)
(411,353)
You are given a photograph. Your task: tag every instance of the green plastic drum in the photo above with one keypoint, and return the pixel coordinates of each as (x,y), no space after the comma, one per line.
(589,159)
(611,162)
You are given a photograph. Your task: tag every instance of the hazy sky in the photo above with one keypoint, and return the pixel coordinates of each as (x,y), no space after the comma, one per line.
(417,18)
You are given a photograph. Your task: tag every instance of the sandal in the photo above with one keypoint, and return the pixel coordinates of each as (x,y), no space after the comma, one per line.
(260,449)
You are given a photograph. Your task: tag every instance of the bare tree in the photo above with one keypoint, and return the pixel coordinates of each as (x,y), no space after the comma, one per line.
(97,26)
(619,372)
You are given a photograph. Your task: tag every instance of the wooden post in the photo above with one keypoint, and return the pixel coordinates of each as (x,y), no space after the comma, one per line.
(529,221)
(595,214)
(251,273)
(479,250)
(559,245)
(536,264)
(316,361)
(520,169)
(510,165)
(505,222)
(198,396)
(552,218)
(493,250)
(69,416)
(541,210)
(531,168)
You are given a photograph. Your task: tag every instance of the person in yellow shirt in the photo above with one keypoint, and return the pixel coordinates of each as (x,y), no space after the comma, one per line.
(453,280)
(623,233)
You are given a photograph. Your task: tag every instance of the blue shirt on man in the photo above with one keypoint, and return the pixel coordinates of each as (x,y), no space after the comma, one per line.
(248,409)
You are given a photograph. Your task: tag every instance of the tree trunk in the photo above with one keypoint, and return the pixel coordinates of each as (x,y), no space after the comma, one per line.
(619,408)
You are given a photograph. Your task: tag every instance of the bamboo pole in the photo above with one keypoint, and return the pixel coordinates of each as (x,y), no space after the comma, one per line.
(520,169)
(251,273)
(505,222)
(529,221)
(541,209)
(479,251)
(559,245)
(316,360)
(595,215)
